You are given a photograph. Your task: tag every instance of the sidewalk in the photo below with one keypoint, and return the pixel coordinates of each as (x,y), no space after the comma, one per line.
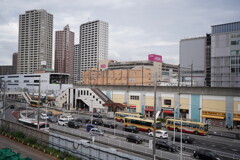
(224,132)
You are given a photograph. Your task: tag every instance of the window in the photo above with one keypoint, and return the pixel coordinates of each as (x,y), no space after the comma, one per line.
(167,102)
(134,97)
(26,81)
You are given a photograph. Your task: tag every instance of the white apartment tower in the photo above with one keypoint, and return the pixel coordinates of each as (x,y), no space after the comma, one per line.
(93,44)
(35,41)
(76,69)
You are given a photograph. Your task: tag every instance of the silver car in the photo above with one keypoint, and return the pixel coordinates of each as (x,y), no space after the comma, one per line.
(96,132)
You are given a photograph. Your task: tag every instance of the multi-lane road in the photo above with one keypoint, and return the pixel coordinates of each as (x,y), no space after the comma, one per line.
(225,146)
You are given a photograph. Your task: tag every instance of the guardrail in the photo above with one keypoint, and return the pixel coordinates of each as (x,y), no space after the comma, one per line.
(186,147)
(120,144)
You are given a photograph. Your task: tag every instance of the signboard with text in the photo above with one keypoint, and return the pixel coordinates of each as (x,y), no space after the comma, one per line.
(155,58)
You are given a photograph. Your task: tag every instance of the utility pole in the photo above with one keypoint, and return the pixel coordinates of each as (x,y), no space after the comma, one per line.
(142,74)
(4,98)
(154,122)
(39,99)
(179,75)
(191,75)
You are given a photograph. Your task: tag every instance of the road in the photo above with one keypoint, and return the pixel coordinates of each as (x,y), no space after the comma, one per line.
(219,144)
(24,150)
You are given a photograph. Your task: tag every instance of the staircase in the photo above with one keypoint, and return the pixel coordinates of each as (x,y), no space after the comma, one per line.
(62,98)
(26,96)
(101,95)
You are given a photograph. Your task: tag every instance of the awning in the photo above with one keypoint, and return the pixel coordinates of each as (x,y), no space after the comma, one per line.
(132,106)
(236,119)
(170,112)
(213,116)
(149,110)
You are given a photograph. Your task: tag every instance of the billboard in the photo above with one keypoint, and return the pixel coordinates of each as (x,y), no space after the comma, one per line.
(155,58)
(103,66)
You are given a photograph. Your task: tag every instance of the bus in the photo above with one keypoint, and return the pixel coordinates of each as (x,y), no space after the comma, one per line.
(197,128)
(119,116)
(34,103)
(34,123)
(142,124)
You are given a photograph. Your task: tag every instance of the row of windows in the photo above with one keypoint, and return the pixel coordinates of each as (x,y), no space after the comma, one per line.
(237,42)
(235,52)
(134,97)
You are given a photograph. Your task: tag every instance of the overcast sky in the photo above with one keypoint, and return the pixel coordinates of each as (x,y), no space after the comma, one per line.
(136,27)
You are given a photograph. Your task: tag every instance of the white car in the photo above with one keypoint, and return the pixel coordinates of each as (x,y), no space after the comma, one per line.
(68,117)
(43,116)
(96,132)
(62,121)
(159,134)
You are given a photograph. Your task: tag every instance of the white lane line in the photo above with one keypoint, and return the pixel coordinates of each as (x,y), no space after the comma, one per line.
(234,150)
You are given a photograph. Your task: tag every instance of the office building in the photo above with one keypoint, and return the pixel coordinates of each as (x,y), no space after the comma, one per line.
(10,69)
(192,61)
(225,51)
(64,52)
(93,44)
(35,41)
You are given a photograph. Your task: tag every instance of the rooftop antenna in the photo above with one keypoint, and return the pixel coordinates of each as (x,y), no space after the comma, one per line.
(88,19)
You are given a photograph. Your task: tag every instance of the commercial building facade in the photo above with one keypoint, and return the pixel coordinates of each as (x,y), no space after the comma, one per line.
(225,55)
(50,83)
(93,44)
(10,69)
(143,73)
(35,41)
(64,52)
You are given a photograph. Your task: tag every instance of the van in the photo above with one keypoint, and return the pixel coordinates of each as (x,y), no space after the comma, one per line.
(90,126)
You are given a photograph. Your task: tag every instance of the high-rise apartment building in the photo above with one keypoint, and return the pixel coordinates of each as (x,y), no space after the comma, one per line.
(64,51)
(76,69)
(35,41)
(225,55)
(93,44)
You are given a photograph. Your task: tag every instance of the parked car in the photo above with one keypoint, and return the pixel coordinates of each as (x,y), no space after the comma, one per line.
(206,155)
(12,107)
(131,129)
(97,115)
(97,121)
(96,132)
(90,126)
(159,134)
(43,116)
(134,138)
(52,119)
(168,145)
(68,117)
(83,120)
(109,124)
(185,138)
(62,121)
(74,124)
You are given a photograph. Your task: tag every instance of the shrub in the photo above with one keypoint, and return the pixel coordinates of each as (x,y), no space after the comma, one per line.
(32,140)
(18,134)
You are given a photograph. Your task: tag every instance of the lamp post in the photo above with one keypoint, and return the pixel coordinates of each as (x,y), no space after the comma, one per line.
(175,109)
(92,110)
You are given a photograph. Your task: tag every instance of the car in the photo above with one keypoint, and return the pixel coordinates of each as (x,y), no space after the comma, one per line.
(165,144)
(83,120)
(52,119)
(43,116)
(96,132)
(185,138)
(206,155)
(62,121)
(12,107)
(74,124)
(109,124)
(131,129)
(134,138)
(68,117)
(159,134)
(97,115)
(97,121)
(83,141)
(90,126)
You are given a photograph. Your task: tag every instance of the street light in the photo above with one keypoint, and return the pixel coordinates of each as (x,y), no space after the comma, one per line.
(175,109)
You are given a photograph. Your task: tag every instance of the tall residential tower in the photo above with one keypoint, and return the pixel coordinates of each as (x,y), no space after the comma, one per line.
(35,41)
(64,52)
(93,44)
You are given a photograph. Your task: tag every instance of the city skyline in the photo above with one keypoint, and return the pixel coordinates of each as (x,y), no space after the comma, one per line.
(136,28)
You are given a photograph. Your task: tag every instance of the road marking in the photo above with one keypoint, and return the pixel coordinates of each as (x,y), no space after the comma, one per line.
(234,150)
(213,145)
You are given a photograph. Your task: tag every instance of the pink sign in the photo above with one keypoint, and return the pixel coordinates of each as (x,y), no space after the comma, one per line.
(154,58)
(103,66)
